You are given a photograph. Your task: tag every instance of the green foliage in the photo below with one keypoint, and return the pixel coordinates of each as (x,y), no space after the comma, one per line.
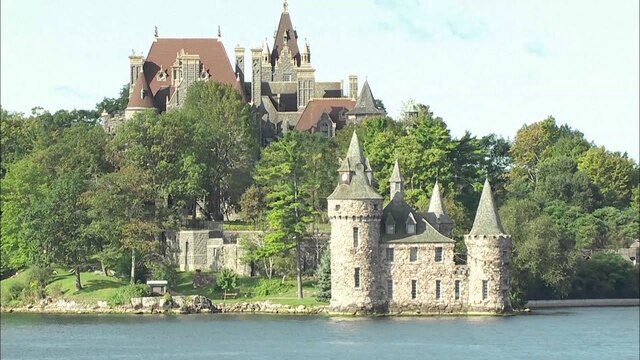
(115,105)
(323,274)
(253,204)
(12,294)
(227,280)
(164,270)
(605,275)
(615,174)
(267,287)
(124,294)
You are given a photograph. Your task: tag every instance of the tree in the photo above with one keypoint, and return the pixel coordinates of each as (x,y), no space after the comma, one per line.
(115,105)
(286,171)
(323,274)
(253,204)
(227,280)
(559,179)
(614,173)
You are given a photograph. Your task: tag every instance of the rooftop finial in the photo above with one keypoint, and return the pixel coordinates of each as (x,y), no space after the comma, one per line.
(219,32)
(155,32)
(285,6)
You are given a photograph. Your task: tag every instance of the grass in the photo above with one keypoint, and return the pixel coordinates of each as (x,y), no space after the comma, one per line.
(97,287)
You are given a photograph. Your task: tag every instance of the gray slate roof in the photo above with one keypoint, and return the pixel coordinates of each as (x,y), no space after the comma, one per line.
(487,221)
(365,105)
(360,186)
(396,176)
(436,211)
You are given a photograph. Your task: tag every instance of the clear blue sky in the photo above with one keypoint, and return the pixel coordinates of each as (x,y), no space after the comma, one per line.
(483,66)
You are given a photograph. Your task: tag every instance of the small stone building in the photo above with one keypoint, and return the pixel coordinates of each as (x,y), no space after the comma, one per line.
(397,259)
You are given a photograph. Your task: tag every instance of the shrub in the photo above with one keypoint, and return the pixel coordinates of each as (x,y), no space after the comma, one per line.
(227,280)
(12,293)
(37,279)
(323,274)
(266,287)
(164,271)
(124,294)
(55,290)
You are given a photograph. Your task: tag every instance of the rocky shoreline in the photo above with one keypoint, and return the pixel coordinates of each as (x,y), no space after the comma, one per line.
(157,305)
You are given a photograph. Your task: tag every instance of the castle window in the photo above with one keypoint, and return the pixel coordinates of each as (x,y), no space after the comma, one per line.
(337,207)
(162,76)
(485,289)
(355,237)
(438,295)
(356,277)
(375,206)
(413,254)
(390,254)
(457,289)
(438,257)
(286,77)
(414,289)
(389,289)
(411,224)
(390,229)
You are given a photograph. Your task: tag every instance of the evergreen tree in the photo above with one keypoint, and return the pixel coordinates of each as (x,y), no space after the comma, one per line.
(323,274)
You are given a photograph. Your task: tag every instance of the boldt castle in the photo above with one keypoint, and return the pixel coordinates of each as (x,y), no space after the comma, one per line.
(390,258)
(397,259)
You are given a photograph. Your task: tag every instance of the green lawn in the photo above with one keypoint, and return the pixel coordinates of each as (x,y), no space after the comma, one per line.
(96,287)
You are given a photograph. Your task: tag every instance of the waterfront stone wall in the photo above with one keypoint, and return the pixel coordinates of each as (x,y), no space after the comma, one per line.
(355,286)
(413,285)
(488,259)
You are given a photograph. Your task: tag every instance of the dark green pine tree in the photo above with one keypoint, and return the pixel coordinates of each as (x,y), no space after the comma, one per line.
(323,273)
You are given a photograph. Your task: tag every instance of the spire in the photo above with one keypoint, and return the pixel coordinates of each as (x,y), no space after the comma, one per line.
(396,183)
(219,32)
(366,104)
(285,6)
(285,35)
(355,154)
(354,181)
(487,220)
(436,205)
(155,32)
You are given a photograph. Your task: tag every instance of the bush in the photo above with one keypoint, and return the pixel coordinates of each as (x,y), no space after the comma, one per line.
(37,280)
(124,294)
(266,287)
(227,280)
(55,290)
(12,293)
(164,271)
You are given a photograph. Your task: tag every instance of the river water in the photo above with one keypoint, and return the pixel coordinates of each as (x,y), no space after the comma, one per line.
(570,333)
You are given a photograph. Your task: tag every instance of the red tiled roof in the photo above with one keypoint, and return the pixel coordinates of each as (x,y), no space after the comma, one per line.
(141,96)
(316,107)
(163,54)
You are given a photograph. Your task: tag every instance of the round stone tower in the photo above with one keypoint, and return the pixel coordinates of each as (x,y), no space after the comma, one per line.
(488,255)
(355,211)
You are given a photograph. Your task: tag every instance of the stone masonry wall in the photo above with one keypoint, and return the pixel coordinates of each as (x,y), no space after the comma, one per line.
(193,249)
(488,260)
(345,215)
(425,271)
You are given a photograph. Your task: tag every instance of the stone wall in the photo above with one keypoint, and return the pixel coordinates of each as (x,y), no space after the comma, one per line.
(345,216)
(425,271)
(488,259)
(193,249)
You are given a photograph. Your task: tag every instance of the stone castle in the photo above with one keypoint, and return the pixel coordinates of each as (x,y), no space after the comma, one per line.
(397,259)
(283,90)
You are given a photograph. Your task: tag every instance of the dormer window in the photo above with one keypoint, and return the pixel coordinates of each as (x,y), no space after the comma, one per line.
(204,75)
(411,224)
(162,75)
(390,225)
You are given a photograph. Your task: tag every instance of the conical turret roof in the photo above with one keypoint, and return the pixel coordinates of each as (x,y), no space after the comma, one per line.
(141,96)
(365,105)
(436,205)
(354,153)
(356,164)
(396,176)
(487,221)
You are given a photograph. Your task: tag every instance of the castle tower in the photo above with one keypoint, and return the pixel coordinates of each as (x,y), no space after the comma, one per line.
(140,98)
(306,79)
(135,70)
(442,221)
(355,211)
(488,254)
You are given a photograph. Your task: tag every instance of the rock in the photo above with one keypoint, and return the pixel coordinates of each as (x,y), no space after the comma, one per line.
(102,304)
(136,303)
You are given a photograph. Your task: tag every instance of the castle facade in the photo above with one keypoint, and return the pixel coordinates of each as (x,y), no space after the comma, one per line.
(396,259)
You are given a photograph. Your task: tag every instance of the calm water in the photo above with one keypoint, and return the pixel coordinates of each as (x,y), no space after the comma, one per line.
(574,333)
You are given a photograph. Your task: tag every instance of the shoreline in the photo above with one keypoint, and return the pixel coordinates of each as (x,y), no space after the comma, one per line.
(202,305)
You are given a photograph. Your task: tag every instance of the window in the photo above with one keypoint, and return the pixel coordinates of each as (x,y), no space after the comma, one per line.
(391,229)
(438,256)
(355,237)
(414,288)
(375,206)
(457,289)
(286,77)
(411,228)
(438,290)
(485,289)
(337,207)
(356,277)
(390,254)
(389,289)
(413,255)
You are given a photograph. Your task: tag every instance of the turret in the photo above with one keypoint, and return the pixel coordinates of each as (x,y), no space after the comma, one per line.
(140,99)
(396,184)
(135,69)
(355,211)
(488,257)
(437,213)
